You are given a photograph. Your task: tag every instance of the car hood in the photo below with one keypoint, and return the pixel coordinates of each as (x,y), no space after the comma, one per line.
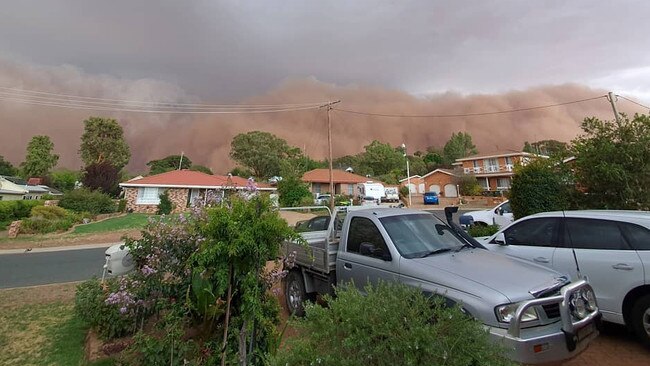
(482,273)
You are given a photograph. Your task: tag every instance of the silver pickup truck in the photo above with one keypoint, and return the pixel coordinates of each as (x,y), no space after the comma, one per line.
(536,313)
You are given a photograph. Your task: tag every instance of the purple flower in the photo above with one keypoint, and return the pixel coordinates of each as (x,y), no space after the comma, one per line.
(146,270)
(123,310)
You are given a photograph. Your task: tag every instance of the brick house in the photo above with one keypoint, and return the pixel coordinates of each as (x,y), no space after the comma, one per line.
(494,171)
(182,186)
(441,181)
(344,182)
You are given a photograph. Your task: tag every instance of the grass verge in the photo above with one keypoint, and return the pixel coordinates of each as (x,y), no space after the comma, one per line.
(38,327)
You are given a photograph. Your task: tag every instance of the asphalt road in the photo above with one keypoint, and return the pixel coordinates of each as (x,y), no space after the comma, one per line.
(40,268)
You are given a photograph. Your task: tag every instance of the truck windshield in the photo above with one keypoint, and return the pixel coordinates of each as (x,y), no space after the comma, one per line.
(419,235)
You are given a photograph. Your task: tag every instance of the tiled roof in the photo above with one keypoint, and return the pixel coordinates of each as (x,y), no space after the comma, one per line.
(190,178)
(340,176)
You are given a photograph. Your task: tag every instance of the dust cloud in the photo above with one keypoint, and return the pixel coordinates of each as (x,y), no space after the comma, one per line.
(206,138)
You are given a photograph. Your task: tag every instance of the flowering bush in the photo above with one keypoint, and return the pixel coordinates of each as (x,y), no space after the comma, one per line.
(110,318)
(207,268)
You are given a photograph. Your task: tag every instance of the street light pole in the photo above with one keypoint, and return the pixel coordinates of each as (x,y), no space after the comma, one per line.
(408,173)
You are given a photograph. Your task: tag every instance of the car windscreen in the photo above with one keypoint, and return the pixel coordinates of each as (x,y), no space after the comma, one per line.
(418,234)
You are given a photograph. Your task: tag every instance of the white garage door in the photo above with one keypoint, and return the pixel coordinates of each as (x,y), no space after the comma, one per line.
(434,188)
(450,191)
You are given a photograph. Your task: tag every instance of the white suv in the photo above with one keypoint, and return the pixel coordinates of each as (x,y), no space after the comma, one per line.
(611,249)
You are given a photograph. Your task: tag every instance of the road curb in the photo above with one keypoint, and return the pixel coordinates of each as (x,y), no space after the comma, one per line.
(58,249)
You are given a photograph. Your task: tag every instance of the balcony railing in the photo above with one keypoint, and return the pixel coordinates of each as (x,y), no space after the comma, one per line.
(489,169)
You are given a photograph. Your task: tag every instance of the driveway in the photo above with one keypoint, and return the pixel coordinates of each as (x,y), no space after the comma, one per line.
(614,346)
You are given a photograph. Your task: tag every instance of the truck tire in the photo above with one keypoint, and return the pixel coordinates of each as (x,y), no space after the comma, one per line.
(641,319)
(294,293)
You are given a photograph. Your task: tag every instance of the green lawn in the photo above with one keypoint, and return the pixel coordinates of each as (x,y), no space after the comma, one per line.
(38,327)
(129,221)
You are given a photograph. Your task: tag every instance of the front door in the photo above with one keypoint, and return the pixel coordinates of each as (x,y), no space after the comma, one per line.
(366,258)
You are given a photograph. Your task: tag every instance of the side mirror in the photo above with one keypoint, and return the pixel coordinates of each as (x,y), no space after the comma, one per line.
(499,211)
(500,239)
(366,248)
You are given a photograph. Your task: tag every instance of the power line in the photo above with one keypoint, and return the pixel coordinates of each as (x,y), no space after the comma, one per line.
(162,111)
(468,114)
(77,98)
(632,101)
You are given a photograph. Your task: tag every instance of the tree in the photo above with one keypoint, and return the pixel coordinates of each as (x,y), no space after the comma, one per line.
(103,177)
(201,168)
(292,191)
(39,159)
(241,172)
(103,140)
(469,186)
(6,168)
(542,185)
(382,158)
(612,162)
(168,164)
(460,145)
(261,152)
(64,179)
(165,206)
(547,147)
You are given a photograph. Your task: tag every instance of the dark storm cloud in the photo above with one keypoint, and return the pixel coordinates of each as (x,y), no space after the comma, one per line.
(229,49)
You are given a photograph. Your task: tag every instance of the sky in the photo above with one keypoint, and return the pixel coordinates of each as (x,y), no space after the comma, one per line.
(230,51)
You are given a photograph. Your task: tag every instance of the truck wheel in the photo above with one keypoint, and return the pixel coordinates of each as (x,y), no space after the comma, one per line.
(641,319)
(294,293)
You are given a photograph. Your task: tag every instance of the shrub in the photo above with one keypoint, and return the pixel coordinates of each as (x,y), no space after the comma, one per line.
(292,191)
(403,191)
(49,212)
(90,305)
(80,200)
(391,325)
(168,348)
(39,225)
(540,186)
(16,210)
(165,206)
(121,205)
(483,230)
(469,186)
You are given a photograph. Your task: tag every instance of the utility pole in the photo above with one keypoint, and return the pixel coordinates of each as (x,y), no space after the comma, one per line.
(180,163)
(612,99)
(408,173)
(329,152)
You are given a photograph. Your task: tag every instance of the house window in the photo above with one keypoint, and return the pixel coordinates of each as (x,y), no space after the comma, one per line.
(484,184)
(503,183)
(316,187)
(491,165)
(350,189)
(148,196)
(508,160)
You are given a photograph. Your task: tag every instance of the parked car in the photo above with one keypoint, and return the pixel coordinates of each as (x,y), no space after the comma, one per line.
(369,201)
(519,303)
(609,248)
(322,199)
(431,198)
(500,215)
(392,194)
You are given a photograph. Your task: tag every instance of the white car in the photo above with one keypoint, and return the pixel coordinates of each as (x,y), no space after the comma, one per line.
(322,199)
(611,249)
(500,215)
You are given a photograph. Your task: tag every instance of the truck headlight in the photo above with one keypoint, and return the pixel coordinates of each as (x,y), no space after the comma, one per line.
(505,313)
(590,298)
(582,302)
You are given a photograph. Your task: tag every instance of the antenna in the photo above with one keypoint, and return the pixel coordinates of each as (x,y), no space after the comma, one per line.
(180,163)
(573,250)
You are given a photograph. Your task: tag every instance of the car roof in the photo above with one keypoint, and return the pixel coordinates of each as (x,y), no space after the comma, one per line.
(620,215)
